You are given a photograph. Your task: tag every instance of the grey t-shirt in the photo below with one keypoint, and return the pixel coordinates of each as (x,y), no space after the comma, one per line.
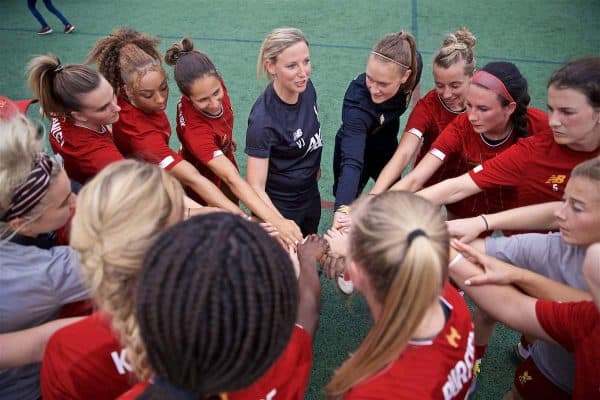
(35,283)
(550,256)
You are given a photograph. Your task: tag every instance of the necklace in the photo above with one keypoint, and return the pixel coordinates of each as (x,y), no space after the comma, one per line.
(214,116)
(496,143)
(449,109)
(100,131)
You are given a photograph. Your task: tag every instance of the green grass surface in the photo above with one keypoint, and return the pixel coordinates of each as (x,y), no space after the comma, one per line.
(537,36)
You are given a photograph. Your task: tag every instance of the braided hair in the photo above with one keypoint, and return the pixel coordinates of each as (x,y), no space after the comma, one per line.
(124,56)
(457,46)
(516,84)
(216,304)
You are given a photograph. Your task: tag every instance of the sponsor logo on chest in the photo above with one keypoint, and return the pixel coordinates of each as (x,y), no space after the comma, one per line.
(556,181)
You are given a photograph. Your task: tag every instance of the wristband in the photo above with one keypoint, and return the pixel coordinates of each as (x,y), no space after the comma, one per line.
(487,226)
(344,209)
(455,260)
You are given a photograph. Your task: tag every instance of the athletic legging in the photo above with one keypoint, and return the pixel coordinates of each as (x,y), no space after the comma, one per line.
(50,7)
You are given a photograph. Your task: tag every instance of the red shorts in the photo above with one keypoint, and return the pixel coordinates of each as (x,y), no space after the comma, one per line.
(532,384)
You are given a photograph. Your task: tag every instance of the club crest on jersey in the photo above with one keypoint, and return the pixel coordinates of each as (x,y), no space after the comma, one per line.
(381,119)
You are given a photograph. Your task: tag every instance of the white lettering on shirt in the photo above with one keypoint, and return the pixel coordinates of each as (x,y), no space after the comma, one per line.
(56,132)
(315,143)
(120,360)
(181,117)
(462,371)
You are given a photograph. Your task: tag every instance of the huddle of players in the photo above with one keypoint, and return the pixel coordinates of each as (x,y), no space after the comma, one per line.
(198,325)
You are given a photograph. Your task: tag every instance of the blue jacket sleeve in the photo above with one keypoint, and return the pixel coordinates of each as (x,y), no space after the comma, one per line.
(351,143)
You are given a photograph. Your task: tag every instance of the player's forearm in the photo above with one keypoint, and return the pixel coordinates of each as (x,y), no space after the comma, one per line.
(189,176)
(392,171)
(504,303)
(450,190)
(262,194)
(534,217)
(544,288)
(309,302)
(246,193)
(27,346)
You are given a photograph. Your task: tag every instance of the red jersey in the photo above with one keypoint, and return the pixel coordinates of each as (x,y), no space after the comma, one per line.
(428,119)
(576,327)
(537,167)
(84,151)
(144,136)
(441,368)
(286,379)
(467,148)
(85,361)
(204,137)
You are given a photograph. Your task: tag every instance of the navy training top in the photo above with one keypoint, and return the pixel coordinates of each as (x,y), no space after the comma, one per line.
(290,136)
(367,130)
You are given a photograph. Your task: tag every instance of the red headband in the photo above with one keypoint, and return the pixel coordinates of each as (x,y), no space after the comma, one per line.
(492,83)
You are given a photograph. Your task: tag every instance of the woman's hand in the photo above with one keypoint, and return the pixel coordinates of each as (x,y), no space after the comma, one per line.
(332,265)
(341,221)
(495,271)
(338,242)
(311,250)
(288,232)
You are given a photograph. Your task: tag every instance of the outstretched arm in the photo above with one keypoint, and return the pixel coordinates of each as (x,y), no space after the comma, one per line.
(27,346)
(419,175)
(189,176)
(450,190)
(309,304)
(502,302)
(534,217)
(225,169)
(407,148)
(503,273)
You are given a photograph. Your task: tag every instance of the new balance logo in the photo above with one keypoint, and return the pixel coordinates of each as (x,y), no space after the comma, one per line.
(556,179)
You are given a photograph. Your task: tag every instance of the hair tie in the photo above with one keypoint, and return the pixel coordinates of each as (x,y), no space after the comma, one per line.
(183,53)
(59,67)
(390,60)
(27,195)
(491,82)
(413,235)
